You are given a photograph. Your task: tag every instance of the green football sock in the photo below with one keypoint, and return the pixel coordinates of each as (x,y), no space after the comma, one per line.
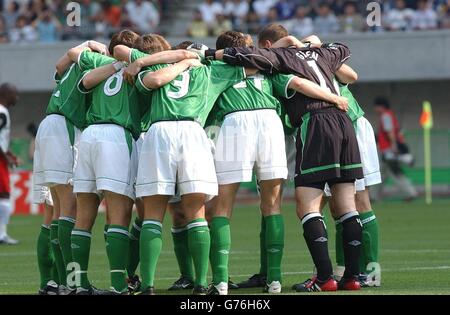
(274,246)
(220,248)
(340,260)
(57,254)
(150,249)
(65,227)
(199,244)
(105,231)
(181,248)
(262,248)
(369,251)
(117,246)
(133,257)
(81,247)
(44,256)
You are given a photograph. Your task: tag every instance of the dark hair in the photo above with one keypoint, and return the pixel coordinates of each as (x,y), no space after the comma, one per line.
(148,44)
(126,37)
(183,45)
(273,33)
(231,39)
(382,101)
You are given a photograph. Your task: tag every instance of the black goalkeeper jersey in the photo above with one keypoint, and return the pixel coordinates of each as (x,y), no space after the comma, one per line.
(315,64)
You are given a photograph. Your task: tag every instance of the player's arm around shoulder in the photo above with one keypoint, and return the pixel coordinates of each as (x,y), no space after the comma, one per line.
(313,90)
(152,80)
(94,77)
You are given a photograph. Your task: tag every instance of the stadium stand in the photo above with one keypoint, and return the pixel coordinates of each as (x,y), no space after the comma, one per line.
(45,21)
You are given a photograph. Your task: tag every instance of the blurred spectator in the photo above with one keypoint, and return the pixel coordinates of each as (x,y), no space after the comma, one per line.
(326,22)
(285,9)
(237,10)
(11,14)
(301,25)
(351,21)
(144,15)
(399,18)
(89,10)
(23,31)
(272,16)
(262,8)
(222,25)
(425,18)
(47,26)
(209,9)
(198,27)
(444,15)
(112,13)
(3,31)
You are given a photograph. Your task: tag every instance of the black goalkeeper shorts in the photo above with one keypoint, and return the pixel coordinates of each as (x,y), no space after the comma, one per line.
(327,149)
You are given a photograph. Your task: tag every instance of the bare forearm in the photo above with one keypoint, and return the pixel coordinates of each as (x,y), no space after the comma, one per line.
(346,74)
(63,64)
(98,75)
(157,79)
(166,57)
(288,41)
(312,90)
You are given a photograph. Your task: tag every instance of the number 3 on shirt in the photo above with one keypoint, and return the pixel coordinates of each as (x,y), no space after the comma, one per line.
(117,78)
(183,84)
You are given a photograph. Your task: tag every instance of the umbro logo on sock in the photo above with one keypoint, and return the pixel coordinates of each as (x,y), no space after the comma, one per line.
(55,241)
(273,250)
(74,246)
(224,252)
(155,231)
(354,243)
(321,239)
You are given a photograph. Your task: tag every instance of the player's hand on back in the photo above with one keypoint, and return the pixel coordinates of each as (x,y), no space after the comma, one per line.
(198,49)
(193,63)
(98,47)
(132,71)
(342,103)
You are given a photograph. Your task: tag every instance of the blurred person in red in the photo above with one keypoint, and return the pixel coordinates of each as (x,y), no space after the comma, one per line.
(393,148)
(8,99)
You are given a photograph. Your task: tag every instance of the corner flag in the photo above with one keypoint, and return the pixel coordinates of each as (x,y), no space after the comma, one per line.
(426,121)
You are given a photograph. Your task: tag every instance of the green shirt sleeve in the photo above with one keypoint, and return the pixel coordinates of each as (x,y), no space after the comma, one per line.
(90,60)
(281,83)
(80,86)
(136,54)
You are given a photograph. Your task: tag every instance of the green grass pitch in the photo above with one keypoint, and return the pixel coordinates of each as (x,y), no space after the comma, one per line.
(415,251)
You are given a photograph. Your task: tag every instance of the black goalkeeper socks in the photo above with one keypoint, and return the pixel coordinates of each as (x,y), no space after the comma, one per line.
(316,238)
(352,239)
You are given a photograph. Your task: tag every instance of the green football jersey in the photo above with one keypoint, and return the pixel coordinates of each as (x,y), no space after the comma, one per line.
(354,110)
(67,99)
(114,101)
(256,92)
(144,99)
(193,93)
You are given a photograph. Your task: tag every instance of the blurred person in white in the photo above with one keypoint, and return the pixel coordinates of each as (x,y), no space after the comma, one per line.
(301,25)
(262,8)
(8,99)
(11,14)
(425,18)
(209,9)
(351,21)
(237,10)
(399,18)
(326,21)
(47,27)
(144,15)
(3,31)
(22,32)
